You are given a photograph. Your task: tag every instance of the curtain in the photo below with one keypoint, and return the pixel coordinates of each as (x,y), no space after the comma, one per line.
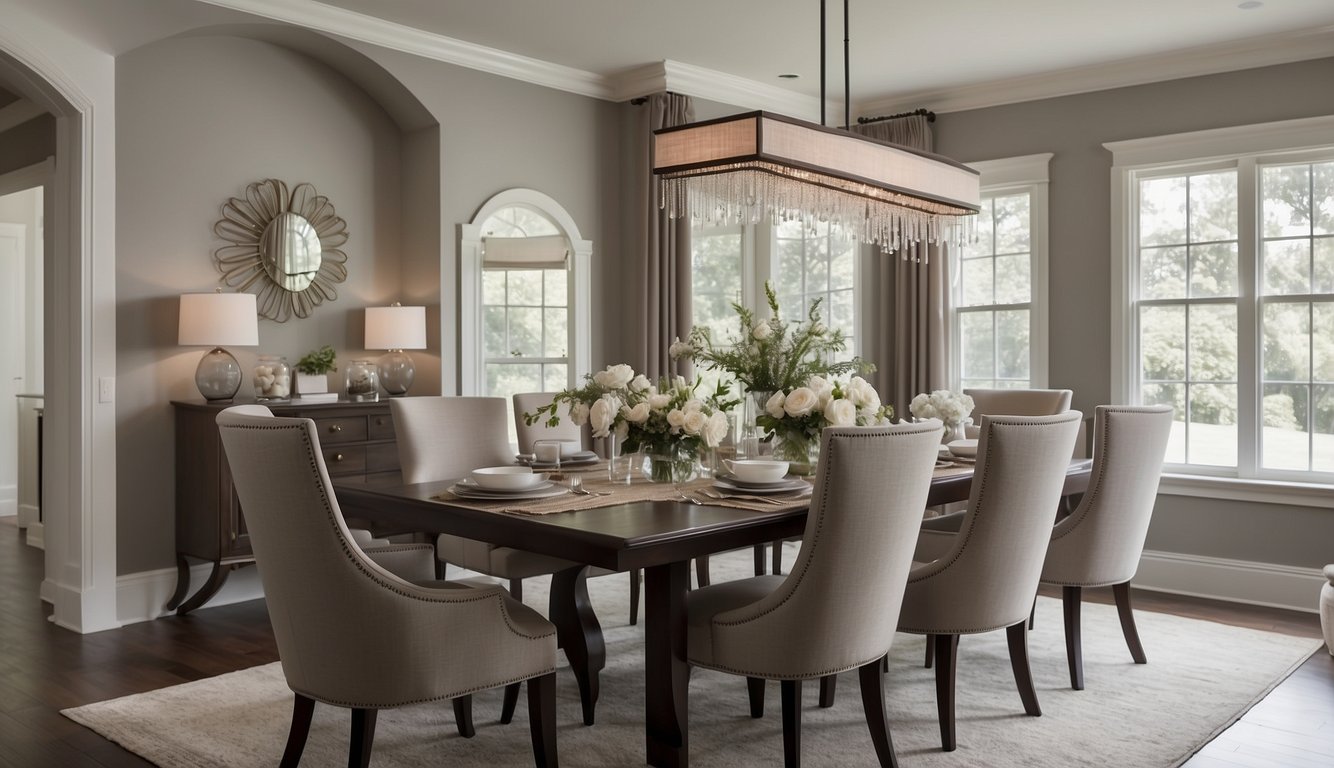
(664,245)
(909,335)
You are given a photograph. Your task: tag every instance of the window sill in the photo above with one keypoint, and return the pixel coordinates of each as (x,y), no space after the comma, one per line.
(1234,489)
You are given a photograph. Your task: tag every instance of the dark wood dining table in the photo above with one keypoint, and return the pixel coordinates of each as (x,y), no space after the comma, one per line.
(660,537)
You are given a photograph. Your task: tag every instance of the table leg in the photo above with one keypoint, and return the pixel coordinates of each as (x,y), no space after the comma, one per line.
(666,673)
(579,633)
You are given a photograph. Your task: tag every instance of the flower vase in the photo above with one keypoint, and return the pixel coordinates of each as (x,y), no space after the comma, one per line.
(800,450)
(674,464)
(748,447)
(956,431)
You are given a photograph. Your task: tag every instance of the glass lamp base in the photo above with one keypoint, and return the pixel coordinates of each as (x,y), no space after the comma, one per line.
(396,372)
(218,375)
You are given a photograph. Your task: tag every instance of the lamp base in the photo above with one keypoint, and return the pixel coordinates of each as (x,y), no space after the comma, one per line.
(396,372)
(218,375)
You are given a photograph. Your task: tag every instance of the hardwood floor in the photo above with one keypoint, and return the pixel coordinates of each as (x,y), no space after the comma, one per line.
(44,669)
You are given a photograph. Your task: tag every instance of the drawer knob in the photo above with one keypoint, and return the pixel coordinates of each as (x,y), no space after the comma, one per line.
(335,427)
(338,457)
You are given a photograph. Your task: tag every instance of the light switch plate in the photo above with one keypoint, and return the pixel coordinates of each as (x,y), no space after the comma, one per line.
(106,389)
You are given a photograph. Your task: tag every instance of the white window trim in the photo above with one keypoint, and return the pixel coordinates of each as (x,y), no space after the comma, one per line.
(1030,174)
(472,368)
(1133,158)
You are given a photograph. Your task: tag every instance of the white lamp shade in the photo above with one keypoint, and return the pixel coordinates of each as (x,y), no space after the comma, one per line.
(395,327)
(218,320)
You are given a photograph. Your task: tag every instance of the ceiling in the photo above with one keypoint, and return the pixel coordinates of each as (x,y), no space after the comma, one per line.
(899,51)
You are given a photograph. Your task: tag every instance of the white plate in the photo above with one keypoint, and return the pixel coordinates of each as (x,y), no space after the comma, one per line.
(472,492)
(786,480)
(472,485)
(579,459)
(787,485)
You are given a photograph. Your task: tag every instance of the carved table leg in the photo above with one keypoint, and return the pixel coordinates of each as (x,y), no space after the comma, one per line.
(579,633)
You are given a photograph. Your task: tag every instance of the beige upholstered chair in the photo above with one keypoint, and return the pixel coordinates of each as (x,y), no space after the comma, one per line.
(384,642)
(985,577)
(1099,544)
(1017,402)
(837,610)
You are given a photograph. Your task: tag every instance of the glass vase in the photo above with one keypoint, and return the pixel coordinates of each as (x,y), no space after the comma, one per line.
(800,450)
(673,464)
(751,435)
(363,381)
(272,379)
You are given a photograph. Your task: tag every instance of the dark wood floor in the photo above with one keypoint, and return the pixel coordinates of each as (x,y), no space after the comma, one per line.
(44,669)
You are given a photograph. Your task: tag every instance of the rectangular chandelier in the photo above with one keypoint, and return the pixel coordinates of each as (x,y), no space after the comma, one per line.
(739,169)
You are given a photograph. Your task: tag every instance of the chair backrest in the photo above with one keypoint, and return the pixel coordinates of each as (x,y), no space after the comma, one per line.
(1018,402)
(527,402)
(445,438)
(839,605)
(1101,541)
(992,569)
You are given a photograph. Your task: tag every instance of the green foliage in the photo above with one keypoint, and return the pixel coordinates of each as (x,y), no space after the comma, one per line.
(317,361)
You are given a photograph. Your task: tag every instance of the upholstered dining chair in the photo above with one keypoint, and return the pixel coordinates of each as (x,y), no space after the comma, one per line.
(529,402)
(1016,402)
(384,641)
(837,609)
(985,576)
(1100,542)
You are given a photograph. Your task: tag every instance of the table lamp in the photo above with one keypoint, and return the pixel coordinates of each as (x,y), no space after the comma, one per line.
(396,328)
(212,320)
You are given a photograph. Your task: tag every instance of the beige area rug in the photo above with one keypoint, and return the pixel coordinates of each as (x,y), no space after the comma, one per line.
(1200,677)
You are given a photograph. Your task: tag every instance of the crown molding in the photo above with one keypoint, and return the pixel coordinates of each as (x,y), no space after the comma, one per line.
(399,37)
(1268,50)
(17,113)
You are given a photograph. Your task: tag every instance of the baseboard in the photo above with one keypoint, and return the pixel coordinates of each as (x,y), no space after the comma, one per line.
(143,596)
(9,500)
(1237,581)
(28,514)
(35,535)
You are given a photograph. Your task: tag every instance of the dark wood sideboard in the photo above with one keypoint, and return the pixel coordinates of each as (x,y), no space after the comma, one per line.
(358,443)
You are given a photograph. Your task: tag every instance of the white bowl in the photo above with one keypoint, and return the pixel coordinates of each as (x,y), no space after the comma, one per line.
(963,447)
(758,470)
(507,478)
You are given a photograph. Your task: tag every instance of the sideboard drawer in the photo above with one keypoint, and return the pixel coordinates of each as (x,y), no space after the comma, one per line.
(381,427)
(344,459)
(382,457)
(341,429)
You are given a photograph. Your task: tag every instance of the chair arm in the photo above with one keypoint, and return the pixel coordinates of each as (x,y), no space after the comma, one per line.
(409,562)
(933,545)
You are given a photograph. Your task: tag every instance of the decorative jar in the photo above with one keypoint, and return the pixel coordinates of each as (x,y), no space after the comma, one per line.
(673,464)
(272,379)
(800,450)
(363,381)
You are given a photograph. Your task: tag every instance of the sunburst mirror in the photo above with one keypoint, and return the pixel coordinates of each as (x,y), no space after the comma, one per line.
(284,246)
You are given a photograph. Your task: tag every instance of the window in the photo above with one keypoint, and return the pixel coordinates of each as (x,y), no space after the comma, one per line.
(1228,281)
(999,282)
(817,265)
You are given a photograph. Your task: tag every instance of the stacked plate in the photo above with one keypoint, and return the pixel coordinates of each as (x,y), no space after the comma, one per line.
(467,488)
(582,458)
(963,450)
(729,482)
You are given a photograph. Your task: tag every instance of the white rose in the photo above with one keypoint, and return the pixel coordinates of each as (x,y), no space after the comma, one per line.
(762,330)
(658,402)
(676,417)
(921,407)
(862,394)
(966,403)
(695,422)
(800,402)
(692,405)
(680,349)
(622,429)
(640,383)
(579,414)
(819,385)
(775,405)
(601,415)
(638,414)
(716,429)
(841,413)
(614,377)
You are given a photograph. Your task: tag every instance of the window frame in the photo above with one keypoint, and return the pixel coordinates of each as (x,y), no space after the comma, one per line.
(1007,176)
(1245,148)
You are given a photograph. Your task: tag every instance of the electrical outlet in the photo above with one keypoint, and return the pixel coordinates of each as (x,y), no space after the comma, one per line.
(106,389)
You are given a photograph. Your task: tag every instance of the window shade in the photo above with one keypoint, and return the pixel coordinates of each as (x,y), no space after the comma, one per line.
(549,252)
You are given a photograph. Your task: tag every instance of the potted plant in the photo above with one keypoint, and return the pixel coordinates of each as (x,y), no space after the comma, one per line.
(312,371)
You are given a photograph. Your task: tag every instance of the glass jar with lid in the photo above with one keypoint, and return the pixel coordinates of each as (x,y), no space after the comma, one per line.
(363,381)
(272,379)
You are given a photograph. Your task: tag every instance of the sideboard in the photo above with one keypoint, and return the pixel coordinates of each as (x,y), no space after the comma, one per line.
(358,443)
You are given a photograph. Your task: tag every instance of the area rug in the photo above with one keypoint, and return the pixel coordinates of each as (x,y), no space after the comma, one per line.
(1200,677)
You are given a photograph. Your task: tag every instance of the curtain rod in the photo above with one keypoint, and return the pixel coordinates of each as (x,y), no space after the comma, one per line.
(930,116)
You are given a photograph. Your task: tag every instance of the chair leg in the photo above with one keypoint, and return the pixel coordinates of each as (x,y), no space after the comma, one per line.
(778,558)
(759,560)
(873,702)
(542,719)
(516,589)
(828,684)
(463,716)
(634,597)
(302,710)
(947,655)
(363,737)
(1074,653)
(1123,608)
(508,704)
(1016,636)
(755,691)
(702,570)
(1033,614)
(930,651)
(791,723)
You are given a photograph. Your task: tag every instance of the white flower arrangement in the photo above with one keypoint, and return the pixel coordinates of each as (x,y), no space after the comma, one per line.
(952,408)
(796,417)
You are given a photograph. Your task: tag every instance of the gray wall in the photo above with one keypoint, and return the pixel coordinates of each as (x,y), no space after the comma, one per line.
(1074,129)
(28,143)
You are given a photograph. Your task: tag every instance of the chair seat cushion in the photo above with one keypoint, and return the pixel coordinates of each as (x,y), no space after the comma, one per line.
(702,605)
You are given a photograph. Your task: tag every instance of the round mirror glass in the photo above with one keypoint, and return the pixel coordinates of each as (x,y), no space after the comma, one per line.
(291,251)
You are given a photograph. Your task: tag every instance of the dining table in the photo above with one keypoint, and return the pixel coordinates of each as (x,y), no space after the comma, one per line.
(638,526)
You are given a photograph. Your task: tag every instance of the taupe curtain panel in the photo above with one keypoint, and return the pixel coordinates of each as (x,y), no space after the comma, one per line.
(664,284)
(908,339)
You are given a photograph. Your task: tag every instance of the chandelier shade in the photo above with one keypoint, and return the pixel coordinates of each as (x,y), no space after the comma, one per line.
(742,168)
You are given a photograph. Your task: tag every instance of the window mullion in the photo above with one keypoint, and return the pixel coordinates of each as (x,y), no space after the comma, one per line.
(1249,392)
